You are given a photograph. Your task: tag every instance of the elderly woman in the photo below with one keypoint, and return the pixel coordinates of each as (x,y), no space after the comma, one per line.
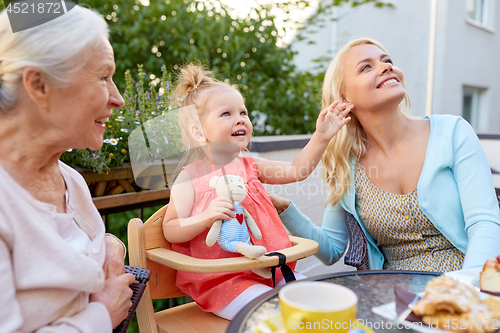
(420,189)
(59,272)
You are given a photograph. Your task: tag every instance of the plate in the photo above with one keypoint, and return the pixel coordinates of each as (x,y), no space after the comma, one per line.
(274,324)
(389,311)
(469,276)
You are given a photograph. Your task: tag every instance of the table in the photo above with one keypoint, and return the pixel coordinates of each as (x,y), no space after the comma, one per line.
(373,288)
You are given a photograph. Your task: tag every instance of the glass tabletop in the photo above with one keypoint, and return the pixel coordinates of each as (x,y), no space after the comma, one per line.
(373,288)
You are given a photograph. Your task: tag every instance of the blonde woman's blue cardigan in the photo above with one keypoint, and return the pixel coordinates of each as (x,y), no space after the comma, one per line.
(455,191)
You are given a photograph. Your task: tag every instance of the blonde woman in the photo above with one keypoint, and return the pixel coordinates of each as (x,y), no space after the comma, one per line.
(420,189)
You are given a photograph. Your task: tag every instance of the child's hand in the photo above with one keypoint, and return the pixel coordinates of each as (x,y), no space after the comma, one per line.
(332,119)
(219,209)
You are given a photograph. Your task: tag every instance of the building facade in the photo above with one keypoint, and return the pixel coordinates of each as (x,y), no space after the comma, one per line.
(448,50)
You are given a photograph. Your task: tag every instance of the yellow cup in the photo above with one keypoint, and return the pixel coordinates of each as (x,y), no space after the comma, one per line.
(316,307)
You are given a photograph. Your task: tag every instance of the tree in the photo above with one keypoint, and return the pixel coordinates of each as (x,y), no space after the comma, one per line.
(280,99)
(244,52)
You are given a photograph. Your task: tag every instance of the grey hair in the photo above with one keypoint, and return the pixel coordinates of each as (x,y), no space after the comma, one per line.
(56,47)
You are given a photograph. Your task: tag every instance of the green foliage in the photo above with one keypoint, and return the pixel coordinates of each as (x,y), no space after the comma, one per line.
(280,99)
(144,100)
(117,225)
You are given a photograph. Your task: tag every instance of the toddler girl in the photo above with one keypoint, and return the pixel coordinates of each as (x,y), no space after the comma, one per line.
(220,133)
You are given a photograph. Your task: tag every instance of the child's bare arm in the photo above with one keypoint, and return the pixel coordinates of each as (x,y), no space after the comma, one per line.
(178,225)
(329,122)
(182,198)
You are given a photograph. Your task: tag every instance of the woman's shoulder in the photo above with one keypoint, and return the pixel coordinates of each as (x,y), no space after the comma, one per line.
(70,173)
(75,183)
(445,120)
(450,125)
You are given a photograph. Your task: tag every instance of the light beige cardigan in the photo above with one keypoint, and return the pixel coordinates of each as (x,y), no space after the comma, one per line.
(45,283)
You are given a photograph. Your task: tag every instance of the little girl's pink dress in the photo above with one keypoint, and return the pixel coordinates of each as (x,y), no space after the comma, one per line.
(214,291)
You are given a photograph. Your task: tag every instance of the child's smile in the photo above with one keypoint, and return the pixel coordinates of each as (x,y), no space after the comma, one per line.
(239,133)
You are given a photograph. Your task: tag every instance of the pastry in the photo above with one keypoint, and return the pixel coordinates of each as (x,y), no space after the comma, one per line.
(456,306)
(489,279)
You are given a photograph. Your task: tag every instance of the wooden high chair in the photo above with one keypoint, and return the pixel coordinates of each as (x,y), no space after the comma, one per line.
(149,249)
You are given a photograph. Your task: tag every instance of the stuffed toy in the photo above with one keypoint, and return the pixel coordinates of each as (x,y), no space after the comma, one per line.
(232,235)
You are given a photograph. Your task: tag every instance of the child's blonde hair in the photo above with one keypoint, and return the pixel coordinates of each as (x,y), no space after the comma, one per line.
(350,142)
(193,81)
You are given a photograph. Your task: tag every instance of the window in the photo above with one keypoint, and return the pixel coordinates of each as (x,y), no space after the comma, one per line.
(473,109)
(481,12)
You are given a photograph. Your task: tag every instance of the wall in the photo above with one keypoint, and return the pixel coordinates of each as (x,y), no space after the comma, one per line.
(403,30)
(465,54)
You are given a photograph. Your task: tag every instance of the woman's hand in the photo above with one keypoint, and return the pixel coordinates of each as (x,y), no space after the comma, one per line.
(279,203)
(115,296)
(219,209)
(332,119)
(113,262)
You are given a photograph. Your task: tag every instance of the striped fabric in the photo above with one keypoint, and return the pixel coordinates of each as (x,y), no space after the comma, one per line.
(234,231)
(406,237)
